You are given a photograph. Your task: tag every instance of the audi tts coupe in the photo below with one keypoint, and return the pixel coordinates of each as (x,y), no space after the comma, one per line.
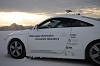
(62,36)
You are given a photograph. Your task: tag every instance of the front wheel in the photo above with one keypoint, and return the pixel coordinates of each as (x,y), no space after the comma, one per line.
(93,53)
(16,49)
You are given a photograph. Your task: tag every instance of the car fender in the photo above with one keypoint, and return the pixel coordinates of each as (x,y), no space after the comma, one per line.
(90,39)
(22,37)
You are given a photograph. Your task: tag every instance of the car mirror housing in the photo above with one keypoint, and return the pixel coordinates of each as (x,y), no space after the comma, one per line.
(36,27)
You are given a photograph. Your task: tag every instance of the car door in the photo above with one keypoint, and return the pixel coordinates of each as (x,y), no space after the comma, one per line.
(80,31)
(50,36)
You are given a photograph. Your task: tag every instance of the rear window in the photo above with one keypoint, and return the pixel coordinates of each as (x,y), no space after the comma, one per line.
(78,23)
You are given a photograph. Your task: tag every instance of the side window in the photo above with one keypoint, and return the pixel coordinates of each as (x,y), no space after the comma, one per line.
(55,23)
(51,23)
(64,24)
(78,23)
(85,24)
(45,25)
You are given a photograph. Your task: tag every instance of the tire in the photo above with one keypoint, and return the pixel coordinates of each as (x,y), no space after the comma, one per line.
(16,49)
(93,53)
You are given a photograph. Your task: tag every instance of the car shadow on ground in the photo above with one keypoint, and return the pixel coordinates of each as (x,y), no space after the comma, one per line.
(56,60)
(69,61)
(8,56)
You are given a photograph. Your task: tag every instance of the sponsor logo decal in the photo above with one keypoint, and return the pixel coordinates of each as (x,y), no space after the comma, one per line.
(73,35)
(44,37)
(68,47)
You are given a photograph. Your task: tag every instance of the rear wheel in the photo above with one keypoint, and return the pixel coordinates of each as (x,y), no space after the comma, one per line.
(93,53)
(16,49)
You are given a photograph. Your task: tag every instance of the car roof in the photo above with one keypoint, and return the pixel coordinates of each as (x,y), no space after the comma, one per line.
(79,17)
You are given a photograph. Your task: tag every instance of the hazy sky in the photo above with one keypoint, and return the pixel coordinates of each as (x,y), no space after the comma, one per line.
(49,7)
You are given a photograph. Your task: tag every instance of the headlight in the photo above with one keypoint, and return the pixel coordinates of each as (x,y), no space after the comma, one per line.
(6,37)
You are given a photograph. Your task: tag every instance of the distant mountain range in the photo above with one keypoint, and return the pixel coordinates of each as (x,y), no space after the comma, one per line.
(14,26)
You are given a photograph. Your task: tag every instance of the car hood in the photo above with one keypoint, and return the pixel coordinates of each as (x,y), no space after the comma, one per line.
(20,32)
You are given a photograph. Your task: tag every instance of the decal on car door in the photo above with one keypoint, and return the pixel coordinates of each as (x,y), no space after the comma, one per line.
(44,37)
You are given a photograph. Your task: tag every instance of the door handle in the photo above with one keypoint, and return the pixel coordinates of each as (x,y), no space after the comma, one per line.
(63,34)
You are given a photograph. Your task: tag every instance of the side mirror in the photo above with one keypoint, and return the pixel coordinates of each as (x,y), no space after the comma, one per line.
(36,27)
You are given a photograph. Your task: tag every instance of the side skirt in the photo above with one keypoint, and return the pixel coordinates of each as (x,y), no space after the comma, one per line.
(67,54)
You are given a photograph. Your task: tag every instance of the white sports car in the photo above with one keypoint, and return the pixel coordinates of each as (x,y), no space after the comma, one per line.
(63,36)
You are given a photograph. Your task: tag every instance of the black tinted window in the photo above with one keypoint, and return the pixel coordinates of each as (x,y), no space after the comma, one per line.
(78,23)
(62,23)
(55,23)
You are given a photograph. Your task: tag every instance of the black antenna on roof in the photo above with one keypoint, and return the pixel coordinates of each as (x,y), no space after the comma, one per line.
(68,11)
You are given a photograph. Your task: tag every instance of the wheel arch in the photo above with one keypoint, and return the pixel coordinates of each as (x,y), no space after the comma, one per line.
(15,39)
(92,42)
